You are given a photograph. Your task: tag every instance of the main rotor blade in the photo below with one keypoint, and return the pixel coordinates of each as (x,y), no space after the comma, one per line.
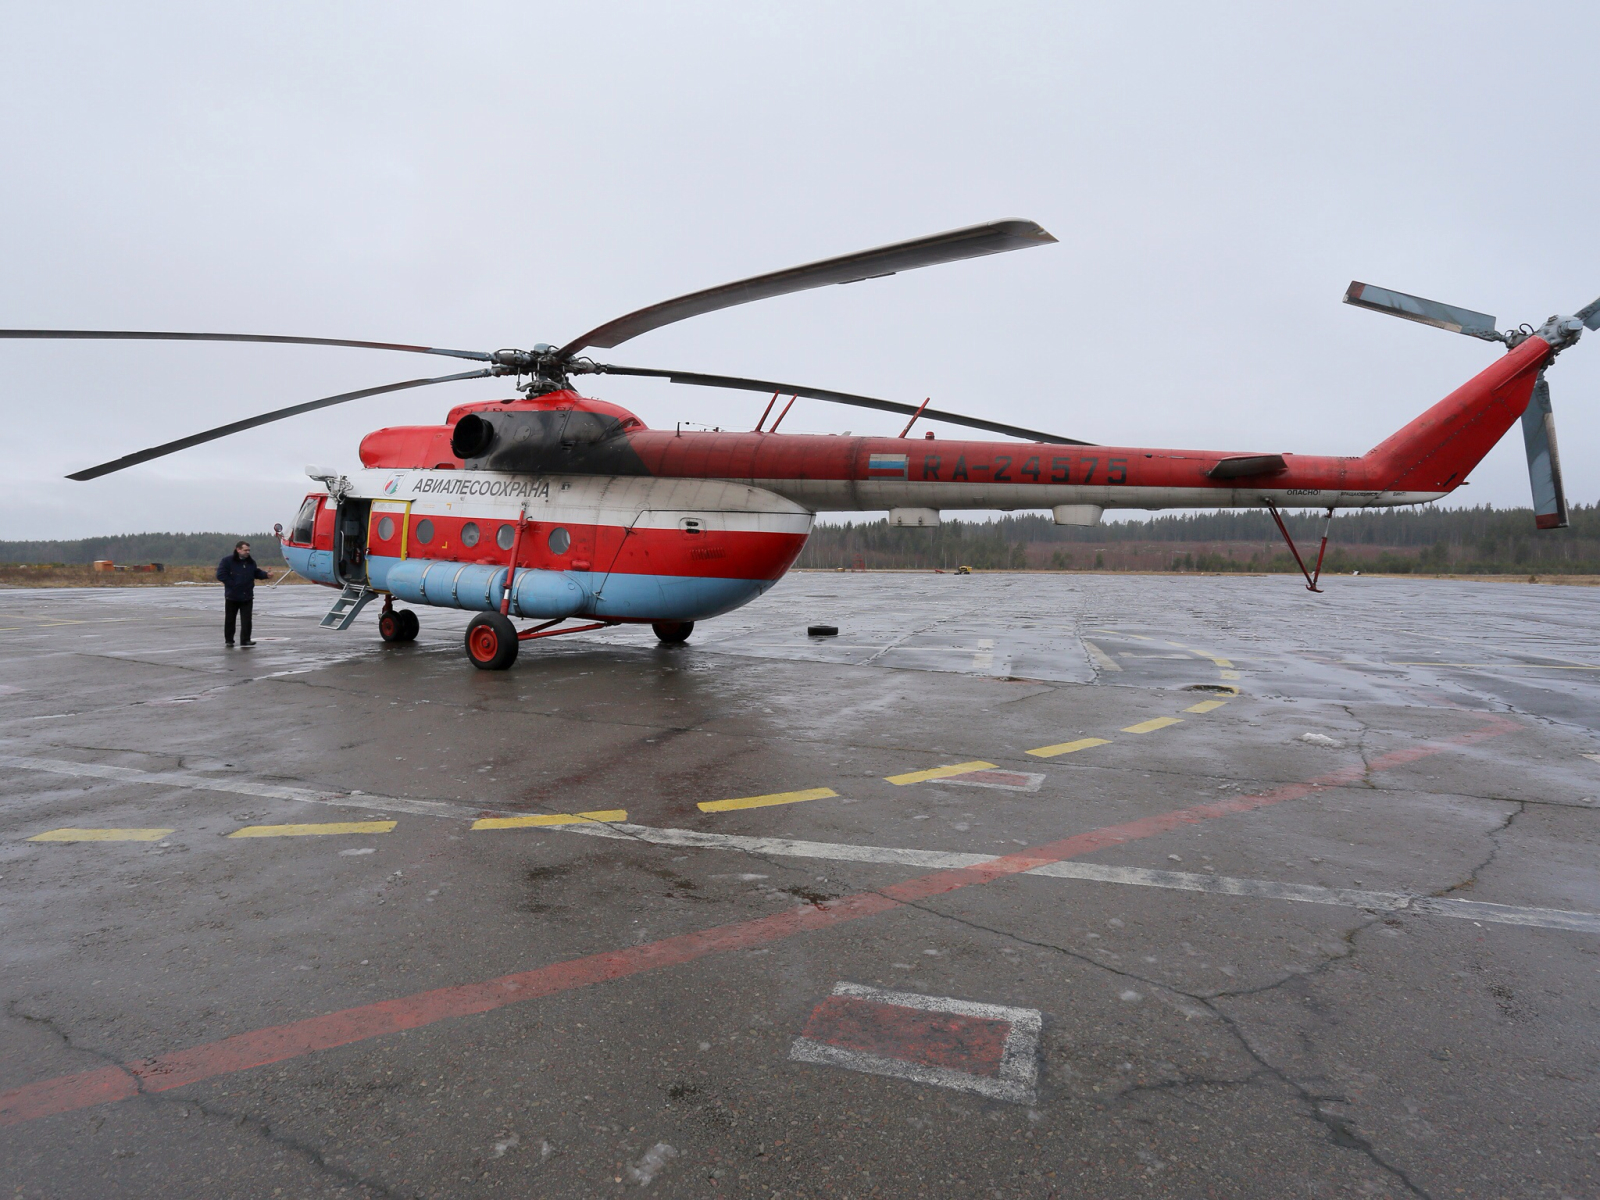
(1589,314)
(972,242)
(789,389)
(140,336)
(1429,312)
(1544,460)
(130,460)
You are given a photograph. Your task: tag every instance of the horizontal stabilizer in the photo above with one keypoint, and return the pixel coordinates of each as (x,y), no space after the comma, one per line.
(1244,465)
(1429,312)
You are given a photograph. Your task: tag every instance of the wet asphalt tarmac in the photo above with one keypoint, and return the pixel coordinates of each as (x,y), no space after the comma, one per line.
(1303,890)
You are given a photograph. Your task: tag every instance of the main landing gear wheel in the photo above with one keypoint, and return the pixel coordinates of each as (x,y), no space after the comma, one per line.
(673,632)
(492,642)
(399,625)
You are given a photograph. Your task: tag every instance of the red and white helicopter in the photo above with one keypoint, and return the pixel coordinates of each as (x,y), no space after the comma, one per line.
(556,506)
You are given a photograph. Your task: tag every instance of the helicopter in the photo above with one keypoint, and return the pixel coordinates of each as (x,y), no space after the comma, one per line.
(553,506)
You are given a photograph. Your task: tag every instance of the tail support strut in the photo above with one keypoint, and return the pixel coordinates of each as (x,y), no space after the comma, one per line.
(1311,576)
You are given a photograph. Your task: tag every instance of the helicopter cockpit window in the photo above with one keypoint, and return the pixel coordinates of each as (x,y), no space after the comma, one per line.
(560,540)
(469,534)
(506,536)
(305,521)
(424,531)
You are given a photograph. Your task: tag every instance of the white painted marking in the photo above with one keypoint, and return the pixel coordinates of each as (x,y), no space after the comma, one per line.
(1019,1058)
(1005,781)
(1262,889)
(241,787)
(1475,910)
(983,660)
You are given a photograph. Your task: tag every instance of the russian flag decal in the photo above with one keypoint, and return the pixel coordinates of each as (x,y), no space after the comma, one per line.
(885,466)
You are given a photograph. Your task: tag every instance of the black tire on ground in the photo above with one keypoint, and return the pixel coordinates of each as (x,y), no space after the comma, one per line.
(410,626)
(672,632)
(492,642)
(822,631)
(392,626)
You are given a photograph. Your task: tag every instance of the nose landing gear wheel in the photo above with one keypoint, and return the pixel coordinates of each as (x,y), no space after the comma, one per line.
(399,625)
(673,632)
(492,642)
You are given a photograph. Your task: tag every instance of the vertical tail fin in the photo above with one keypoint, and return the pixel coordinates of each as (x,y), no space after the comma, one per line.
(1435,452)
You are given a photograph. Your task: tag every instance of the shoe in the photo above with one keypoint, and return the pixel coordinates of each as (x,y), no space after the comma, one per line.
(247,643)
(229,645)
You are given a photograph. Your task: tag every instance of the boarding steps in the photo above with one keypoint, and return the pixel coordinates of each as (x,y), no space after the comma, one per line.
(351,601)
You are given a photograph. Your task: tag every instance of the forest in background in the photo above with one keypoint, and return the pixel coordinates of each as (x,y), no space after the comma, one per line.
(1465,541)
(169,549)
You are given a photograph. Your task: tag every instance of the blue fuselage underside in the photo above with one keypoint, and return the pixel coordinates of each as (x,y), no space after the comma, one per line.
(540,594)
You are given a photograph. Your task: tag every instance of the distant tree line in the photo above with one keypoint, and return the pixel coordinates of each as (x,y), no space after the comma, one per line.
(171,549)
(1468,541)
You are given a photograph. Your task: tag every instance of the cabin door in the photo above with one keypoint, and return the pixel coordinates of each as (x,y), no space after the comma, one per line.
(350,541)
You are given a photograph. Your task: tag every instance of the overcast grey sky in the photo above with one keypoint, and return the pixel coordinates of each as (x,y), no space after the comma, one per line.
(482,175)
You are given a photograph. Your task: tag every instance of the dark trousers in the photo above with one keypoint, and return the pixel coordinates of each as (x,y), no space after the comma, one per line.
(241,610)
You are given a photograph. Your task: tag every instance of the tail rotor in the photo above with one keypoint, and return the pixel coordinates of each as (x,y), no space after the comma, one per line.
(1538,422)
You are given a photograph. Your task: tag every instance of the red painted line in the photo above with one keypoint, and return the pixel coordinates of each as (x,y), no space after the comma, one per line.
(258,1048)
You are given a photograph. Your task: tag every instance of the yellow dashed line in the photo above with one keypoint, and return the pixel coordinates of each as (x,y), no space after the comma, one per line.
(101,835)
(940,772)
(603,816)
(257,831)
(1230,674)
(1153,724)
(1069,747)
(1205,706)
(766,801)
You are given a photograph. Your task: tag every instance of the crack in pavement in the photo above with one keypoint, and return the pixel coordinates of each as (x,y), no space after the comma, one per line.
(1471,881)
(306,1151)
(1339,1131)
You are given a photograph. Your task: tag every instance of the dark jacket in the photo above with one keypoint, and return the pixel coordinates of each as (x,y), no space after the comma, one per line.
(238,577)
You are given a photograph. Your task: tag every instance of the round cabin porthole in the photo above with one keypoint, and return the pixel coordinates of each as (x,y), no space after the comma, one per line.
(424,531)
(385,529)
(505,537)
(469,534)
(560,540)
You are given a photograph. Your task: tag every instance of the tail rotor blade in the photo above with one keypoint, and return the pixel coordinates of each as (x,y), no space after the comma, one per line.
(1544,462)
(1428,312)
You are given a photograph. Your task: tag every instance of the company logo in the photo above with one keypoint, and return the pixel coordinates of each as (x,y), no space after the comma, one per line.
(392,486)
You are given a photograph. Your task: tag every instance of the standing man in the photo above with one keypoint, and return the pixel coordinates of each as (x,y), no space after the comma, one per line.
(238,574)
